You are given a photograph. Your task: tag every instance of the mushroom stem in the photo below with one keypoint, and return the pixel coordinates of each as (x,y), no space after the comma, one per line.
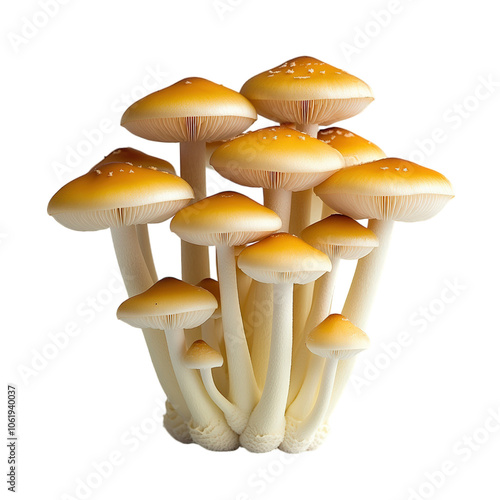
(268,418)
(361,294)
(236,419)
(203,410)
(195,261)
(308,365)
(258,323)
(243,390)
(306,429)
(145,244)
(211,333)
(137,279)
(280,202)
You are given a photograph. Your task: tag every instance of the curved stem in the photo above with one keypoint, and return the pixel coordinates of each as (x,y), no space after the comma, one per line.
(243,389)
(316,417)
(195,260)
(268,416)
(137,279)
(360,298)
(280,202)
(203,410)
(321,306)
(145,244)
(235,418)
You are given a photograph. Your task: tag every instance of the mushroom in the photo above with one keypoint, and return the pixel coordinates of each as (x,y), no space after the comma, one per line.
(119,196)
(172,305)
(193,111)
(280,259)
(278,159)
(138,159)
(200,356)
(335,339)
(227,220)
(339,237)
(355,149)
(382,191)
(308,93)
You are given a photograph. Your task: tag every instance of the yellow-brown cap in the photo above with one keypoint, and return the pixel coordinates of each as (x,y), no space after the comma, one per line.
(276,158)
(306,90)
(340,237)
(200,356)
(355,149)
(169,304)
(118,194)
(136,158)
(193,109)
(224,219)
(388,189)
(213,287)
(283,258)
(337,337)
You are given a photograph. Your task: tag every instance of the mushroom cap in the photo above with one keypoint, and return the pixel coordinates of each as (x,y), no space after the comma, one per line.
(387,189)
(337,337)
(276,158)
(193,109)
(226,218)
(169,304)
(118,194)
(306,90)
(200,356)
(355,149)
(283,258)
(340,237)
(212,286)
(137,159)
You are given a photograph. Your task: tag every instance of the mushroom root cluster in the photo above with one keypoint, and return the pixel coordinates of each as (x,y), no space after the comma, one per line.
(250,353)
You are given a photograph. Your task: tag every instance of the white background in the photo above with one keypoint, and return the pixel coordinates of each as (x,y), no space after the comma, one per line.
(427,62)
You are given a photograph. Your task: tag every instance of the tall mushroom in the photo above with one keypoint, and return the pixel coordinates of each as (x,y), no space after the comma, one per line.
(227,220)
(341,238)
(192,112)
(280,259)
(279,160)
(138,159)
(382,191)
(119,196)
(335,339)
(172,305)
(200,356)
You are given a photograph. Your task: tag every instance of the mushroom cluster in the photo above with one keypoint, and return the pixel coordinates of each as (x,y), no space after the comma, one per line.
(255,357)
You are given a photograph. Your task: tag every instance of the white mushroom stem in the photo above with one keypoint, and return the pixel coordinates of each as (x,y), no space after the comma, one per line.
(195,260)
(268,417)
(211,333)
(309,365)
(258,318)
(306,429)
(203,411)
(145,244)
(236,419)
(137,279)
(361,294)
(280,202)
(243,390)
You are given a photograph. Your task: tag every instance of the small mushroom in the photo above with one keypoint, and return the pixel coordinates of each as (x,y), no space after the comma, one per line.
(283,260)
(172,305)
(335,339)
